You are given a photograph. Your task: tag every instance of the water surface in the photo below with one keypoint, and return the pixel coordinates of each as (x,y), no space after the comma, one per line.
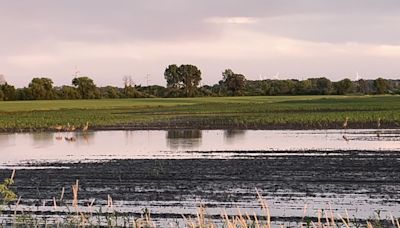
(20,147)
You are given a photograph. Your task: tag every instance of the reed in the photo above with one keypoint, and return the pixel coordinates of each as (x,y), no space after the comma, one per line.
(75,189)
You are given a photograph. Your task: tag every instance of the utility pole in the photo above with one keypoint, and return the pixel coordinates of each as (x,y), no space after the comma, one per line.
(147,79)
(77,72)
(147,83)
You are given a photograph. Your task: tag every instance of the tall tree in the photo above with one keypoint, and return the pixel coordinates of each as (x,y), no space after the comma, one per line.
(363,86)
(42,89)
(24,94)
(172,75)
(110,92)
(321,86)
(9,92)
(381,85)
(233,82)
(68,93)
(186,77)
(129,90)
(343,86)
(304,87)
(86,88)
(191,77)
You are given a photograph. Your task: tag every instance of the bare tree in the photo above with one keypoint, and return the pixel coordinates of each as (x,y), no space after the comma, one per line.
(128,81)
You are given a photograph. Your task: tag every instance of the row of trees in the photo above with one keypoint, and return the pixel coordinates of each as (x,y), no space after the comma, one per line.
(81,88)
(322,86)
(184,80)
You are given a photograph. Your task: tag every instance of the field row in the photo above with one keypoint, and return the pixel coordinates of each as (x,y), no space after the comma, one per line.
(301,112)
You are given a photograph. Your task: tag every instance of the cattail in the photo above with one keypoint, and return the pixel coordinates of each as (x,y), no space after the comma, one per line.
(265,207)
(326,218)
(62,194)
(313,224)
(16,205)
(242,221)
(332,217)
(347,216)
(304,211)
(392,219)
(12,175)
(75,193)
(54,203)
(256,220)
(344,221)
(319,218)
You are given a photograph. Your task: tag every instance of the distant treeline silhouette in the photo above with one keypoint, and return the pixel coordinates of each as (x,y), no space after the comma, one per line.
(184,80)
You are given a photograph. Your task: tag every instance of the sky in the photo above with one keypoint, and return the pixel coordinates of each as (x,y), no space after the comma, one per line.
(107,40)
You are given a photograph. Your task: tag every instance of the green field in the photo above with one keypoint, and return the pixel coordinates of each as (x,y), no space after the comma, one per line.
(283,112)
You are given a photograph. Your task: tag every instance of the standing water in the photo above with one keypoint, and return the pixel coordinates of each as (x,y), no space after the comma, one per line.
(22,147)
(172,172)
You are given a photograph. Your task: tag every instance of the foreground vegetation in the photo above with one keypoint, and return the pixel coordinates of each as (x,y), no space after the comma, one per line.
(284,112)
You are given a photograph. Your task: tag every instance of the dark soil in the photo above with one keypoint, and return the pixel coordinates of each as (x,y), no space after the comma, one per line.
(376,174)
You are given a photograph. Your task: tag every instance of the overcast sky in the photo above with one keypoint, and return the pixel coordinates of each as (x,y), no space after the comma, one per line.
(107,39)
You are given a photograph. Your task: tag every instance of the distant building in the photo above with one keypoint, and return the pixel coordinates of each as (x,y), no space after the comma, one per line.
(2,80)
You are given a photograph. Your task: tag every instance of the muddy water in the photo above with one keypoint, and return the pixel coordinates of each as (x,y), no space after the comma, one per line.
(16,148)
(171,172)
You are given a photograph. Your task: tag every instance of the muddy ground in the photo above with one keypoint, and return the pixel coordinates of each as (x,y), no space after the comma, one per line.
(372,174)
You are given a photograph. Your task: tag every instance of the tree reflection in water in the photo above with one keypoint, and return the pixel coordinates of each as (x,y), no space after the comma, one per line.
(42,139)
(184,139)
(232,135)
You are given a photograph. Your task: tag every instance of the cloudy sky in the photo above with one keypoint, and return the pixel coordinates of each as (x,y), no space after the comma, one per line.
(107,39)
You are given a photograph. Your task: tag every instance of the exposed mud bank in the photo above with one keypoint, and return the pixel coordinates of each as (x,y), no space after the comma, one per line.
(373,176)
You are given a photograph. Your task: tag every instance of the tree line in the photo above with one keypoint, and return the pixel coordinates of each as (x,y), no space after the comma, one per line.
(184,81)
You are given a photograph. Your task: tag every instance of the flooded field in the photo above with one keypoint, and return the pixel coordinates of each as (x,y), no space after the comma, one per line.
(176,144)
(172,172)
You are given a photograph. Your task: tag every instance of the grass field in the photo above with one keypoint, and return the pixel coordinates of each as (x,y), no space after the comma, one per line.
(300,112)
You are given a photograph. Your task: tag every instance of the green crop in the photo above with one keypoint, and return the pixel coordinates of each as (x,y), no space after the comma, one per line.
(214,112)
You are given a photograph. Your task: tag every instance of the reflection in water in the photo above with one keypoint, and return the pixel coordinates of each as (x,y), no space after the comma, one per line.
(232,135)
(87,136)
(7,140)
(177,139)
(42,140)
(70,137)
